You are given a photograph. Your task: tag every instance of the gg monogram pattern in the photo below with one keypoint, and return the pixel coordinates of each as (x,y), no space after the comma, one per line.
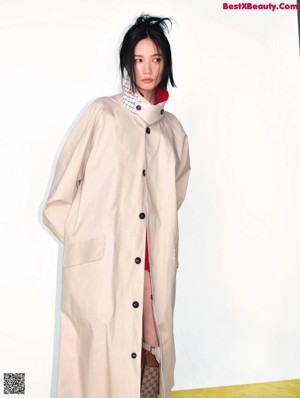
(150,383)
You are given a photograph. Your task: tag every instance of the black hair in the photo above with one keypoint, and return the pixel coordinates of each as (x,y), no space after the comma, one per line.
(147,26)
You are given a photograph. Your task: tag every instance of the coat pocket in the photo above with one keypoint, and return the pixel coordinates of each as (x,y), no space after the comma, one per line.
(83,251)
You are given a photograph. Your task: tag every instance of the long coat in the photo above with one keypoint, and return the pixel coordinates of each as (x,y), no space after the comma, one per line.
(121,172)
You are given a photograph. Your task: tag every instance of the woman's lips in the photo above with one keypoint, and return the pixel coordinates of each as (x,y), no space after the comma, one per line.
(147,80)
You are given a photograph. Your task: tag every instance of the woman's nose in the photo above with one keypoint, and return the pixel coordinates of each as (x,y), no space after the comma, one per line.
(147,67)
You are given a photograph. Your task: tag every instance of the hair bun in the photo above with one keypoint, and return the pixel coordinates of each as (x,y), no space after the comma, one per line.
(147,21)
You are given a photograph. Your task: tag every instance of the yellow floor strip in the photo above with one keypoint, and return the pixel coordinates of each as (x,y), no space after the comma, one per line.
(278,389)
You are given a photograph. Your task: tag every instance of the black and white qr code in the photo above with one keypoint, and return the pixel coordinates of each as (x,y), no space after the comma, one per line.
(14,383)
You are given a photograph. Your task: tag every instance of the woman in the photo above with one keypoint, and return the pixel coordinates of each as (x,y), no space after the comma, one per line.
(121,177)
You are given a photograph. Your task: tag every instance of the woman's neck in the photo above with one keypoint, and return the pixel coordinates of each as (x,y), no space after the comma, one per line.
(149,95)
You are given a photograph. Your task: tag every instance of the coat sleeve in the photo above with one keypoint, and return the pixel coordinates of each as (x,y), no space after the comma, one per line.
(183,173)
(69,171)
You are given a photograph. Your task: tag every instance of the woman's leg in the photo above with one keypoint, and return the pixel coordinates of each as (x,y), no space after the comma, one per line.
(149,363)
(150,336)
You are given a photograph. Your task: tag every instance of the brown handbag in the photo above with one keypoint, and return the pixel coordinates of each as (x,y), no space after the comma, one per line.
(149,375)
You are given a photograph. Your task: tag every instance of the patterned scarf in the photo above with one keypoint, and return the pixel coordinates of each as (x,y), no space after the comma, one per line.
(130,98)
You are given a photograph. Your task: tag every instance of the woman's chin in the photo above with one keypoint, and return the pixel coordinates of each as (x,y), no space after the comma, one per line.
(146,88)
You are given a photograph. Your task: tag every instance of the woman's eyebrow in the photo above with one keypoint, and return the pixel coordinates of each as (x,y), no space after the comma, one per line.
(153,55)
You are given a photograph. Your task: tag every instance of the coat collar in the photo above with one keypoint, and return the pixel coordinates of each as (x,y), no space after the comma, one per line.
(139,106)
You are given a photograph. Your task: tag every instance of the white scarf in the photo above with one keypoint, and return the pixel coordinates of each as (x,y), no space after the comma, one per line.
(130,98)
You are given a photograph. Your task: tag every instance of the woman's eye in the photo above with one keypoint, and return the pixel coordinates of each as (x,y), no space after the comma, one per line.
(157,60)
(137,60)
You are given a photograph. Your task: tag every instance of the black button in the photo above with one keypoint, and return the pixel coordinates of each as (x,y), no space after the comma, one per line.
(162,112)
(148,131)
(144,172)
(142,215)
(137,260)
(138,107)
(133,355)
(135,304)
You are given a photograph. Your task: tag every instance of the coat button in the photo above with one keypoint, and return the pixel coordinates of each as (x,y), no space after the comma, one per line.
(148,131)
(133,355)
(138,107)
(137,260)
(162,112)
(135,304)
(144,172)
(142,215)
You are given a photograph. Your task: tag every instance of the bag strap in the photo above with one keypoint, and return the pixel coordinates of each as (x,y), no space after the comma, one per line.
(154,350)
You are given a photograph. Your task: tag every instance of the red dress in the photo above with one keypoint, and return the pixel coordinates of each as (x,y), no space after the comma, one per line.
(160,96)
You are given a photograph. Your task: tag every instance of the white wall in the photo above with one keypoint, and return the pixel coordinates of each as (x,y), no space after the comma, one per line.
(237,318)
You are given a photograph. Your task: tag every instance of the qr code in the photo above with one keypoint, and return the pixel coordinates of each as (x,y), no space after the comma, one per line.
(14,383)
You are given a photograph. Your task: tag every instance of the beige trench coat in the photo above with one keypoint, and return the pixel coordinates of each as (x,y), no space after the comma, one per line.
(114,166)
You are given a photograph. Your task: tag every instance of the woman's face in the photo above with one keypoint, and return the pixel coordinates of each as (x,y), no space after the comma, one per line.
(148,66)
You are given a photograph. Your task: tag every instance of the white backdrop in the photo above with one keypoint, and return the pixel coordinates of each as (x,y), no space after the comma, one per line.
(237,316)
